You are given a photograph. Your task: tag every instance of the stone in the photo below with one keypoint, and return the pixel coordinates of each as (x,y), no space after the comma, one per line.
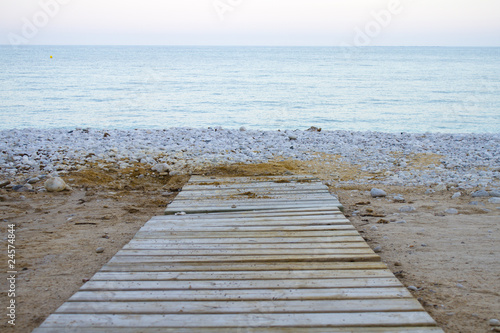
(440,187)
(399,198)
(495,193)
(161,167)
(413,288)
(374,228)
(4,183)
(494,200)
(55,184)
(21,188)
(480,194)
(429,191)
(451,211)
(242,129)
(292,137)
(377,249)
(33,180)
(400,221)
(456,195)
(494,322)
(407,209)
(99,250)
(377,193)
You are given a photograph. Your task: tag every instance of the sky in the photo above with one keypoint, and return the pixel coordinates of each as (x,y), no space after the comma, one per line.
(251,22)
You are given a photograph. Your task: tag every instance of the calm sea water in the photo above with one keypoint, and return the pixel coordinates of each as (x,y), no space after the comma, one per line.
(386,89)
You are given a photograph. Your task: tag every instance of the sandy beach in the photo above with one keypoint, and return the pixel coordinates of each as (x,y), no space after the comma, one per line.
(442,245)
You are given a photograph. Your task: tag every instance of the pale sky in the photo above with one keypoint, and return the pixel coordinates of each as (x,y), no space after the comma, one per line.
(251,22)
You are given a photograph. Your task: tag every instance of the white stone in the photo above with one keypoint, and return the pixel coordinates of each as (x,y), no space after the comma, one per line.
(376,193)
(494,200)
(451,211)
(55,184)
(456,195)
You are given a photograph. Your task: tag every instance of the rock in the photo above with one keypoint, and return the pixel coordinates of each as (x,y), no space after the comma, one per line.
(374,228)
(22,188)
(180,213)
(292,137)
(440,187)
(494,322)
(377,249)
(313,129)
(161,167)
(413,288)
(377,193)
(456,195)
(480,194)
(494,200)
(33,180)
(451,211)
(495,193)
(399,198)
(423,245)
(166,194)
(55,184)
(407,209)
(476,203)
(461,286)
(400,222)
(429,191)
(242,129)
(99,250)
(4,183)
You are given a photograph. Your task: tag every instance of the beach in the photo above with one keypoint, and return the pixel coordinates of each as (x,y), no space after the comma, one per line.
(437,227)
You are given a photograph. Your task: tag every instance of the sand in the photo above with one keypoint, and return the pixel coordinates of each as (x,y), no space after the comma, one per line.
(451,259)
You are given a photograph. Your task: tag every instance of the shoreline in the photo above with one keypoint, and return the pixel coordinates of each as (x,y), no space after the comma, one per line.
(453,160)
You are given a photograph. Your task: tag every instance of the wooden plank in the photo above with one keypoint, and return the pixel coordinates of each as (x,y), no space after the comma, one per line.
(302,306)
(247,258)
(247,234)
(181,228)
(240,275)
(249,240)
(242,294)
(252,223)
(235,266)
(240,252)
(309,329)
(164,244)
(197,178)
(241,284)
(240,320)
(230,208)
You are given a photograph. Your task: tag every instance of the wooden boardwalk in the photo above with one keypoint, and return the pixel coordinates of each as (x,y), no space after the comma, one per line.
(261,254)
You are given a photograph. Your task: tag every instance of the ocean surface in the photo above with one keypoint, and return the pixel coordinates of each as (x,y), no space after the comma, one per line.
(388,89)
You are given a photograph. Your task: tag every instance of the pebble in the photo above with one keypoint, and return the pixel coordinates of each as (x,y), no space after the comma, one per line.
(494,200)
(476,203)
(456,195)
(22,188)
(399,198)
(180,213)
(413,288)
(429,191)
(480,194)
(161,167)
(374,228)
(400,221)
(440,187)
(99,250)
(377,249)
(292,137)
(377,193)
(494,322)
(55,184)
(407,209)
(4,183)
(451,211)
(242,129)
(33,180)
(495,193)
(461,286)
(166,194)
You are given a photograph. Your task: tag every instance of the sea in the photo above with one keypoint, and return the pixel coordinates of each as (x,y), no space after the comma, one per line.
(387,89)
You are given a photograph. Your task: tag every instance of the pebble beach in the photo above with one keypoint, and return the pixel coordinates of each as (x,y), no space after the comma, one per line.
(429,159)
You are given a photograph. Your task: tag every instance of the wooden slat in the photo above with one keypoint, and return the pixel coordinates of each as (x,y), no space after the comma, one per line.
(240,284)
(242,294)
(248,329)
(240,320)
(302,306)
(241,252)
(164,244)
(240,275)
(236,266)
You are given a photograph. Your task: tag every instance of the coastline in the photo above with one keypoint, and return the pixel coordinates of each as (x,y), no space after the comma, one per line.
(120,179)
